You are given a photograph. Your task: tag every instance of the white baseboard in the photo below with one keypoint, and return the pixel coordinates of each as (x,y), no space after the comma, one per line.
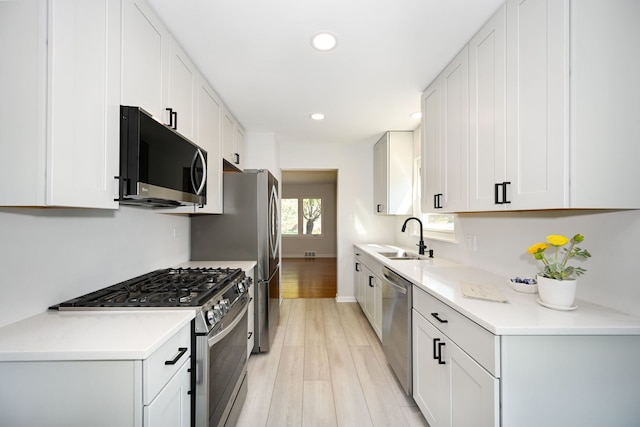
(345,299)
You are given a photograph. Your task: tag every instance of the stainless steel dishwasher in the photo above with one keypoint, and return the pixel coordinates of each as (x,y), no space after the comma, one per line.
(396,326)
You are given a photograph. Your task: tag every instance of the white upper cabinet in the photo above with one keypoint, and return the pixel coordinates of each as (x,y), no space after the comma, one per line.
(487,99)
(232,142)
(183,85)
(157,75)
(60,101)
(445,115)
(605,125)
(208,136)
(392,171)
(537,82)
(553,110)
(145,70)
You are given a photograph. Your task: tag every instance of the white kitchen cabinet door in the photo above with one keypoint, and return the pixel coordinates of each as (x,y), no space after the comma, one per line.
(183,83)
(450,388)
(475,393)
(605,129)
(431,147)
(369,294)
(232,141)
(60,103)
(358,281)
(487,98)
(445,105)
(393,173)
(537,73)
(145,69)
(208,137)
(172,406)
(431,385)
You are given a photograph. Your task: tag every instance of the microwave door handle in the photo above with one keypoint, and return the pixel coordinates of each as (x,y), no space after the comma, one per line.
(204,172)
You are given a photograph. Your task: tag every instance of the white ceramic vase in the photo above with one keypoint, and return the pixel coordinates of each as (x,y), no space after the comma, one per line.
(557,293)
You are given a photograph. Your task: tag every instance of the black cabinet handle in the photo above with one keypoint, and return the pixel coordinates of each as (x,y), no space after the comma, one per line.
(497,191)
(504,192)
(357,266)
(181,351)
(249,337)
(370,281)
(437,201)
(175,120)
(439,319)
(378,208)
(170,110)
(437,351)
(237,157)
(440,361)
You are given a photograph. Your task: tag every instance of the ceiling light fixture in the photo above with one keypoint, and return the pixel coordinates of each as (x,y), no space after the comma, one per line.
(317,116)
(416,115)
(324,41)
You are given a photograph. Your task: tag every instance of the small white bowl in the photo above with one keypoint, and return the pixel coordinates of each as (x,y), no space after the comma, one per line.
(523,287)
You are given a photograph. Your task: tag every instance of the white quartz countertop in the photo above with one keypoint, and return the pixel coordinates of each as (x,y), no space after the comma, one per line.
(521,315)
(91,335)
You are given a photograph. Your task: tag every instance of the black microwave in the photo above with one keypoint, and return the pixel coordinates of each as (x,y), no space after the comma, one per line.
(158,166)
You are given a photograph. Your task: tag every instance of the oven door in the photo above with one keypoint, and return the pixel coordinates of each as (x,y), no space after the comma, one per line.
(221,384)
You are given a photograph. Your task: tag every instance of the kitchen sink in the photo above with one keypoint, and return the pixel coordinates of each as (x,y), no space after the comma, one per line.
(400,254)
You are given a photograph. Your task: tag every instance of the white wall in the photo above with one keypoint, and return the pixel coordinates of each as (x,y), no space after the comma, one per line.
(356,221)
(50,255)
(325,244)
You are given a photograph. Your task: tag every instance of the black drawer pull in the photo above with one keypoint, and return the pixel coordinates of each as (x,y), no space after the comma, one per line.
(439,319)
(181,351)
(370,281)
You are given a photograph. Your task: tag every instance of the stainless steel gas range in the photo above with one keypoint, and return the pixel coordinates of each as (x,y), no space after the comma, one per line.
(219,331)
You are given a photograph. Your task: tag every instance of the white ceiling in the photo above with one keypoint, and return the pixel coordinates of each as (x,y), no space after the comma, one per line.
(258,57)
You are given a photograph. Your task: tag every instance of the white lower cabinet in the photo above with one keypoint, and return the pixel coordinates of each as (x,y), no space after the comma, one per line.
(368,289)
(450,387)
(171,407)
(103,393)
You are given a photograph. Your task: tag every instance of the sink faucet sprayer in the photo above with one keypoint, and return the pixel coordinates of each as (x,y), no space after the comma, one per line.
(421,245)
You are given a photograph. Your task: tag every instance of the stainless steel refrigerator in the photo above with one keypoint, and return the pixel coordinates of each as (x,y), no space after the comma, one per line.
(248,230)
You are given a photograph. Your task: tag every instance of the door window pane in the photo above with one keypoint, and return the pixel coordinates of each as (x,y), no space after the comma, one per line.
(289,216)
(312,213)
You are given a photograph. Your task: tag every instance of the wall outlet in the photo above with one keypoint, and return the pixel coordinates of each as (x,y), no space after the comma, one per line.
(309,254)
(177,233)
(472,243)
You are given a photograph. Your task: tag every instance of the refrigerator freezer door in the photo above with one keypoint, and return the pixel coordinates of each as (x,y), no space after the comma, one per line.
(267,311)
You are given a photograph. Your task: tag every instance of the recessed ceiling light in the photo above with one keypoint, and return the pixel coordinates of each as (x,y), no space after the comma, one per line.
(324,41)
(416,115)
(317,116)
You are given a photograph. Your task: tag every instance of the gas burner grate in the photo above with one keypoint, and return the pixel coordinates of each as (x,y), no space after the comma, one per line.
(171,287)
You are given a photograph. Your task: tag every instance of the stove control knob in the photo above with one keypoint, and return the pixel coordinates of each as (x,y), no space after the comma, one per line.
(241,287)
(225,304)
(213,315)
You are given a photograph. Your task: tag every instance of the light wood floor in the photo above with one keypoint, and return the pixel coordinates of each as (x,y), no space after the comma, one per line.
(325,368)
(309,278)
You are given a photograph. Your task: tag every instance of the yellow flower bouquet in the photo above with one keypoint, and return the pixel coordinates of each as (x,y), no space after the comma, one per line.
(555,263)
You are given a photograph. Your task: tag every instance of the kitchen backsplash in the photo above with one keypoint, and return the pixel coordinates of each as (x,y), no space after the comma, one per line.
(501,239)
(50,255)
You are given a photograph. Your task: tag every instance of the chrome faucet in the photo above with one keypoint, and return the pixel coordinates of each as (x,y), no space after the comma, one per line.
(421,245)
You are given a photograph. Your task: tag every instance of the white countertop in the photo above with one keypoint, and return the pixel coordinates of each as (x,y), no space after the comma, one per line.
(521,315)
(100,334)
(91,335)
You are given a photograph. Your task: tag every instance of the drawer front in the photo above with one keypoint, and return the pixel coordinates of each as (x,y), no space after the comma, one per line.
(477,342)
(371,264)
(156,373)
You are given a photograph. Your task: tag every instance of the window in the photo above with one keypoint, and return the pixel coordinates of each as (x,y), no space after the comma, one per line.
(301,216)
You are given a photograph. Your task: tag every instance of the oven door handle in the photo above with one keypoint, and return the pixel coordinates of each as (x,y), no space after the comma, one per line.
(211,341)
